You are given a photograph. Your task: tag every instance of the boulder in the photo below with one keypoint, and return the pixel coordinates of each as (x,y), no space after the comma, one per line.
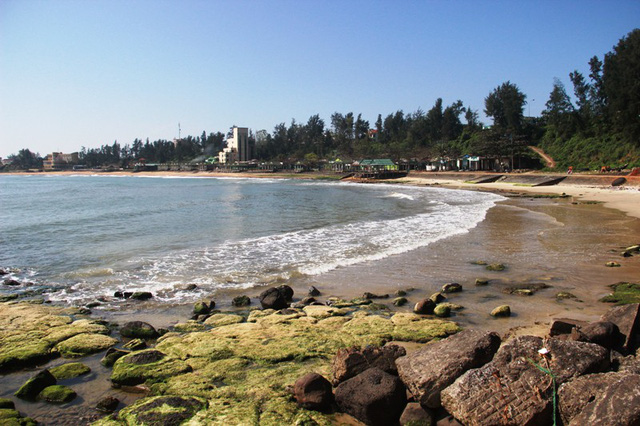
(521,390)
(501,311)
(35,385)
(85,344)
(57,394)
(429,370)
(286,291)
(629,364)
(424,307)
(437,297)
(481,282)
(203,308)
(373,397)
(239,301)
(108,404)
(272,298)
(135,345)
(368,295)
(6,403)
(350,362)
(313,292)
(69,370)
(313,392)
(442,311)
(141,295)
(12,282)
(497,267)
(627,318)
(138,329)
(604,399)
(451,288)
(140,366)
(564,326)
(603,333)
(400,301)
(415,415)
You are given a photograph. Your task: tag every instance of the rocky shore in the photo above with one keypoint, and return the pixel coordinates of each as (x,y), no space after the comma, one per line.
(310,360)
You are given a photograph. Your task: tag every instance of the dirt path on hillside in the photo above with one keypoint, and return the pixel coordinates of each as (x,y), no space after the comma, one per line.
(550,161)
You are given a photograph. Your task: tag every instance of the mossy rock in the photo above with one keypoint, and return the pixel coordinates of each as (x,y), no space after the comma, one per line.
(7,403)
(135,345)
(496,267)
(479,262)
(411,327)
(501,311)
(112,355)
(7,414)
(482,282)
(525,289)
(612,264)
(188,327)
(565,295)
(218,320)
(437,297)
(442,311)
(148,365)
(85,344)
(162,410)
(69,370)
(400,301)
(28,333)
(57,394)
(320,312)
(240,301)
(452,306)
(32,387)
(201,308)
(623,293)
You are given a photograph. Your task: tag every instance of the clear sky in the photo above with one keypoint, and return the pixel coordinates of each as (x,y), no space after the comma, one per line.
(86,73)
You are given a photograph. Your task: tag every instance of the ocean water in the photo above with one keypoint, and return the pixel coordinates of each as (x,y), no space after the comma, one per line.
(80,237)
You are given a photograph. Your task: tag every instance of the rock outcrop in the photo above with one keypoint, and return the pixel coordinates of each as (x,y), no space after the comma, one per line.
(429,370)
(350,362)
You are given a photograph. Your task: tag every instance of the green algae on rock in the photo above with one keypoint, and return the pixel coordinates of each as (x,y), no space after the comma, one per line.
(623,294)
(28,333)
(159,410)
(501,311)
(69,370)
(189,326)
(32,387)
(497,267)
(218,320)
(243,369)
(57,394)
(85,344)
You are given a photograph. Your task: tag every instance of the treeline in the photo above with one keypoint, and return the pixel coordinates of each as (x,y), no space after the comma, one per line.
(599,126)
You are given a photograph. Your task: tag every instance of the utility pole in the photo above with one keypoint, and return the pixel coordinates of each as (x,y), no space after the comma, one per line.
(179,131)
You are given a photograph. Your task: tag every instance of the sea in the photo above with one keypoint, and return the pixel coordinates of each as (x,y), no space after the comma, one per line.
(75,238)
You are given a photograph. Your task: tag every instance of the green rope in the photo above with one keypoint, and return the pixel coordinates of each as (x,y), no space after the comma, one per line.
(553,381)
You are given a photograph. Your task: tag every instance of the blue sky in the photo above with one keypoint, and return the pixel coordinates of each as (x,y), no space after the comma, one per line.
(87,73)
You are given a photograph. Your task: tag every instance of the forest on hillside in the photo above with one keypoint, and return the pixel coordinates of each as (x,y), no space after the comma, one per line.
(598,126)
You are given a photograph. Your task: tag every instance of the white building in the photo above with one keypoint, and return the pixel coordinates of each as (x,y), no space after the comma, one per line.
(237,147)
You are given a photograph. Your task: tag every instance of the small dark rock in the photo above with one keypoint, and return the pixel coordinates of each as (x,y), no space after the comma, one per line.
(35,385)
(118,294)
(141,295)
(424,307)
(603,333)
(373,397)
(272,298)
(239,301)
(314,292)
(564,326)
(496,267)
(127,294)
(400,301)
(308,300)
(108,404)
(437,297)
(368,295)
(203,308)
(481,281)
(189,287)
(7,403)
(313,392)
(451,288)
(92,304)
(400,293)
(11,282)
(138,329)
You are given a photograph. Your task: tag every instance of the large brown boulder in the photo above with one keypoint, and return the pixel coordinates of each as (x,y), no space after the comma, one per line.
(273,298)
(513,389)
(601,399)
(427,371)
(313,392)
(350,362)
(627,318)
(373,397)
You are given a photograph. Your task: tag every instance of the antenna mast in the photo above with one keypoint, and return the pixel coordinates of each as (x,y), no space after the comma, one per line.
(178,130)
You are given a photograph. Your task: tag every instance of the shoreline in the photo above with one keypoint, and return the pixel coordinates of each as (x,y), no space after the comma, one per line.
(596,188)
(535,217)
